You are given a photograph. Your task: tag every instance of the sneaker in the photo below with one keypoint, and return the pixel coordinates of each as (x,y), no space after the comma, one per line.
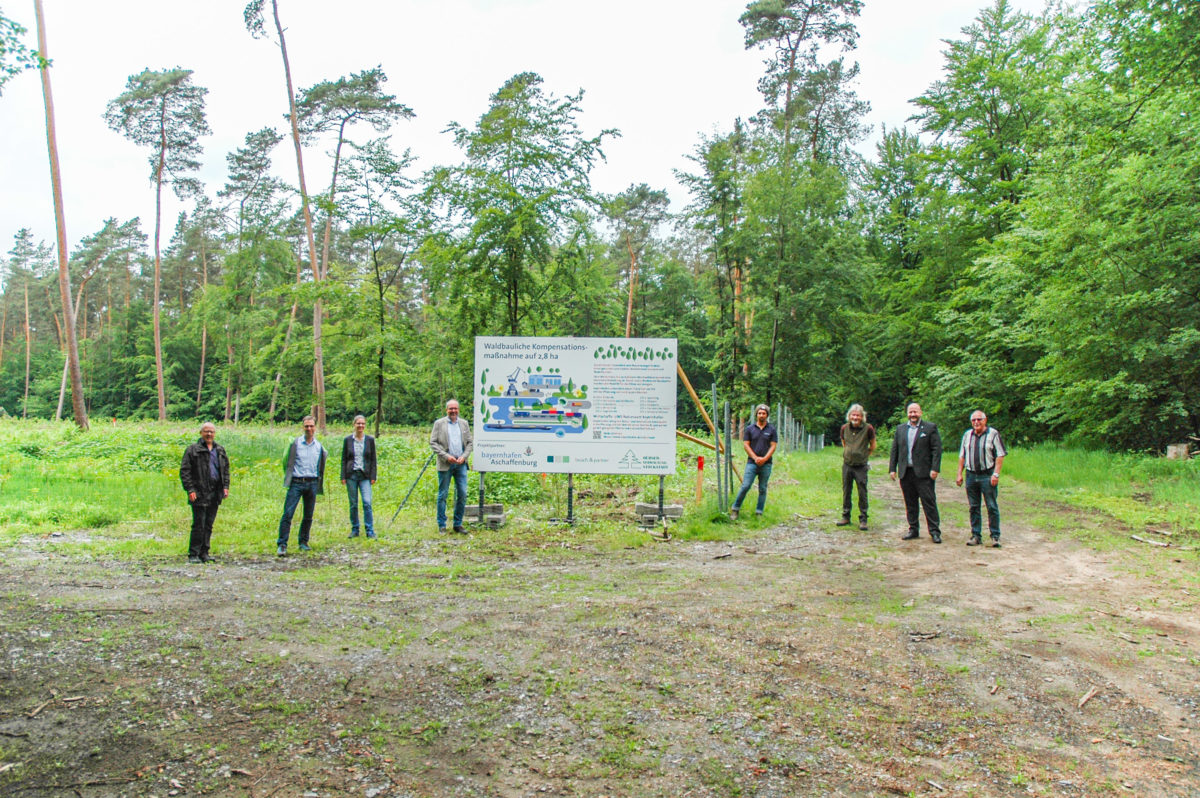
(194,559)
(862,525)
(281,551)
(370,536)
(995,543)
(844,522)
(354,535)
(304,547)
(458,530)
(974,542)
(733,514)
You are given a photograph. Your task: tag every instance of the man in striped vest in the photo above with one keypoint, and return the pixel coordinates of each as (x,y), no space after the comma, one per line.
(981,456)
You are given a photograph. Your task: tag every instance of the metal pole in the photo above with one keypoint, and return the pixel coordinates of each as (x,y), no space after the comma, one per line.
(481,497)
(717,459)
(729,453)
(428,460)
(661,481)
(571,499)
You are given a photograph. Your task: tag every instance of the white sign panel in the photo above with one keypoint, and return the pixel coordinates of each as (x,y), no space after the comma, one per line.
(575,405)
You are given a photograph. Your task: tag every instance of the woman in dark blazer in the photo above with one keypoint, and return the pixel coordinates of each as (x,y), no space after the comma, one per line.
(359,474)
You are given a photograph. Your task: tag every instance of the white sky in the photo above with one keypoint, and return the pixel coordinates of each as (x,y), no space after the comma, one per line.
(663,73)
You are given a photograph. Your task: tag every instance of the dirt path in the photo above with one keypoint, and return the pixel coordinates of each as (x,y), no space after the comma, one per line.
(806,660)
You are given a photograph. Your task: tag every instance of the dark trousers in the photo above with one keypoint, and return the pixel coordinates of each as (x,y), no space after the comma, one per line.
(203,516)
(916,488)
(854,475)
(979,486)
(297,491)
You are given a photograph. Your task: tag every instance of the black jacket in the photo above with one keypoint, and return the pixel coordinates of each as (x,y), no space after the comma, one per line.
(195,477)
(368,457)
(927,451)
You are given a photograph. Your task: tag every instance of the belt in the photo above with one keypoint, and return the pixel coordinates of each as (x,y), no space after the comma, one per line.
(983,471)
(304,479)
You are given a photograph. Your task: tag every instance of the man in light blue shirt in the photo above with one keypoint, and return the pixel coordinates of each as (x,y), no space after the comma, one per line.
(304,478)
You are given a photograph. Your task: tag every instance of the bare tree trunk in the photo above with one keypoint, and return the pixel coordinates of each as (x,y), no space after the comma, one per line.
(632,282)
(64,274)
(229,381)
(3,324)
(318,353)
(28,351)
(158,360)
(203,326)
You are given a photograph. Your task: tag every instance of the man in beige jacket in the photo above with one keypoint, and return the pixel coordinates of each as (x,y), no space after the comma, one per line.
(450,440)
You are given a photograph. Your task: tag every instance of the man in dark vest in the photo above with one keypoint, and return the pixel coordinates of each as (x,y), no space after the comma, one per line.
(858,444)
(916,458)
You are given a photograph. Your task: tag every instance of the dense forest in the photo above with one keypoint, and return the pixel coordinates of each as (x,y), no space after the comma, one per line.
(1030,245)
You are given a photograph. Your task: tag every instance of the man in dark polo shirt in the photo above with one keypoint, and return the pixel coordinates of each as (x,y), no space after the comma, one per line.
(759,440)
(858,444)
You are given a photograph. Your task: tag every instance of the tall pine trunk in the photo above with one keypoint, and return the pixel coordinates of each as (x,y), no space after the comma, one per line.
(64,275)
(318,352)
(158,175)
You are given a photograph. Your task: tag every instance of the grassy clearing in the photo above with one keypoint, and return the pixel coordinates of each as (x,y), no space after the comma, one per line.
(1138,490)
(115,492)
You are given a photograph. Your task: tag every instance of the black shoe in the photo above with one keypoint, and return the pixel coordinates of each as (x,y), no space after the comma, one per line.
(974,542)
(353,535)
(194,559)
(844,522)
(995,543)
(458,530)
(207,559)
(911,536)
(936,538)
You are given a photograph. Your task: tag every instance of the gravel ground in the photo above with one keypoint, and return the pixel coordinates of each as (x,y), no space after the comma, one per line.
(802,660)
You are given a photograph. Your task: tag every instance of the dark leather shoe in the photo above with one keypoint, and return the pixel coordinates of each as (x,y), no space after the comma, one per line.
(862,525)
(936,538)
(911,536)
(995,543)
(458,530)
(195,560)
(208,558)
(974,542)
(844,522)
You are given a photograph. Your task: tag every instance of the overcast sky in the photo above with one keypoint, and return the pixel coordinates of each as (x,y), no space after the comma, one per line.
(662,72)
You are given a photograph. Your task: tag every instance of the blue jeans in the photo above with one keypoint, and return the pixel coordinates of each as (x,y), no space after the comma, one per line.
(296,491)
(763,472)
(980,486)
(356,485)
(459,472)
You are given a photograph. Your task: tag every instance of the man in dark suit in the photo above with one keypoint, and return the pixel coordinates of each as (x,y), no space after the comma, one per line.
(916,459)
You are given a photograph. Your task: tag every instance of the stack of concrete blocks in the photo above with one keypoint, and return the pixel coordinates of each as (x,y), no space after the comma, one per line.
(647,513)
(493,514)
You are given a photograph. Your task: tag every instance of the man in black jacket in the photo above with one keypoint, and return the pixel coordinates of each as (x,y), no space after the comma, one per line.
(204,473)
(916,458)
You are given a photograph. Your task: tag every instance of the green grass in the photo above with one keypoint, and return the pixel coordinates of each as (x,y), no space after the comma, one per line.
(1138,490)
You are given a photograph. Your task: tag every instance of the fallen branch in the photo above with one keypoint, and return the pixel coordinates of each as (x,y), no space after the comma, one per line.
(919,636)
(934,784)
(37,709)
(995,687)
(1158,543)
(1088,696)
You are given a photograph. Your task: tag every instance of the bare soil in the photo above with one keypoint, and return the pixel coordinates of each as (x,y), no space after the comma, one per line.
(803,659)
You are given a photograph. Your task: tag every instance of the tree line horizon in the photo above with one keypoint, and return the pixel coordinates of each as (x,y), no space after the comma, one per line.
(1030,248)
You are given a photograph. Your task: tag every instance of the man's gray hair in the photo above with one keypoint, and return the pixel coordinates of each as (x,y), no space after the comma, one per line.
(859,408)
(763,407)
(452,399)
(308,418)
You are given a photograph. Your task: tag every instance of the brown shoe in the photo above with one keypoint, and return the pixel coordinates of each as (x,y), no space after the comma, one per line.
(862,525)
(974,542)
(458,530)
(844,522)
